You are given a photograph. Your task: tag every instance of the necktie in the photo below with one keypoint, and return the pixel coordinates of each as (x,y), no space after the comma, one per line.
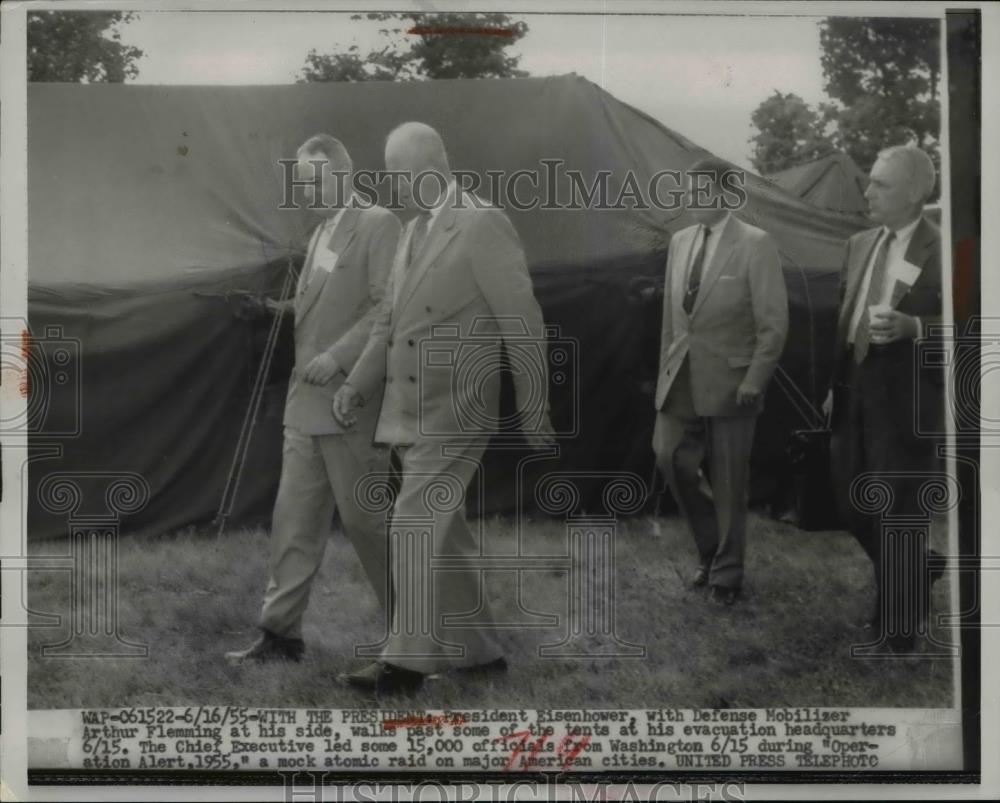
(863,336)
(419,235)
(694,277)
(317,243)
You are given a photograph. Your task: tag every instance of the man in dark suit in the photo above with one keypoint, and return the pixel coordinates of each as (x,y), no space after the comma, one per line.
(725,318)
(460,267)
(890,293)
(342,281)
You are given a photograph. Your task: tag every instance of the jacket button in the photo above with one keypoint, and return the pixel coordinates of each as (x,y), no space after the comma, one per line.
(413,379)
(428,309)
(410,341)
(390,343)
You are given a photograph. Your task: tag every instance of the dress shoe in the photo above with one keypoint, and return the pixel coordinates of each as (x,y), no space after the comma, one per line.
(269,648)
(497,666)
(700,577)
(721,595)
(382,678)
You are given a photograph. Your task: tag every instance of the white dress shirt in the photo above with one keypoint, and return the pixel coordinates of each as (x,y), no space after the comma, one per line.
(895,270)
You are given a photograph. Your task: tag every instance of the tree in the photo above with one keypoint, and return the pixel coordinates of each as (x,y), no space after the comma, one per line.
(790,133)
(446,45)
(882,77)
(80,47)
(883,73)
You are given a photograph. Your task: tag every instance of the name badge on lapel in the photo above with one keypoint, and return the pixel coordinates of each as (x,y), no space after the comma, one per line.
(326,260)
(908,273)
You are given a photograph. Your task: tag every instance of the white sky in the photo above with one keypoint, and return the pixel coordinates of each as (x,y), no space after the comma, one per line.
(699,75)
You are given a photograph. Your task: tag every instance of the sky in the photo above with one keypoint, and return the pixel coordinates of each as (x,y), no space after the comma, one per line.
(700,75)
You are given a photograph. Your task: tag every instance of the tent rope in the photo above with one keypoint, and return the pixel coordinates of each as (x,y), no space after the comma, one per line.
(814,418)
(235,476)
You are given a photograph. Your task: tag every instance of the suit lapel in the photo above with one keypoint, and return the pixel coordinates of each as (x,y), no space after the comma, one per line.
(855,273)
(338,243)
(678,269)
(720,257)
(921,245)
(307,266)
(399,264)
(440,233)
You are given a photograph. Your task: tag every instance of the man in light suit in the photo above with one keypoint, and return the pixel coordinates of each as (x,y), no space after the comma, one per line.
(725,318)
(460,265)
(890,293)
(341,284)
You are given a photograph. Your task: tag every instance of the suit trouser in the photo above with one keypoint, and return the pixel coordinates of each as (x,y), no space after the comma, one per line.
(434,480)
(318,475)
(717,515)
(873,434)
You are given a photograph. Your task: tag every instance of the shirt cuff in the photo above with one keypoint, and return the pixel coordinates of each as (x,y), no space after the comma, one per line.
(920,328)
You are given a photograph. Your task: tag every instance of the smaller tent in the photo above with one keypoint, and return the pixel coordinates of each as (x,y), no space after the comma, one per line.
(834,183)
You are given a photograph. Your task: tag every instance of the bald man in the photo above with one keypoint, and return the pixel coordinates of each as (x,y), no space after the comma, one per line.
(340,286)
(460,266)
(890,294)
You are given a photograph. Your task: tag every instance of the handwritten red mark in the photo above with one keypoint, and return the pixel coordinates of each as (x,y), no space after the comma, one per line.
(425,721)
(567,750)
(24,384)
(428,30)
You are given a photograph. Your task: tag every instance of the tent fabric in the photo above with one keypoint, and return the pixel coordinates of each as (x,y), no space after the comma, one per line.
(165,201)
(834,183)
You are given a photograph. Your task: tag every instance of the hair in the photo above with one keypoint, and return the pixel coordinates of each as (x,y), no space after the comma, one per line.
(426,138)
(712,166)
(333,149)
(918,167)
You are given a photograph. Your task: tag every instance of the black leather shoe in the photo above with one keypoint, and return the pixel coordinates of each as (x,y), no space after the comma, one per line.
(270,647)
(495,667)
(724,596)
(700,578)
(382,678)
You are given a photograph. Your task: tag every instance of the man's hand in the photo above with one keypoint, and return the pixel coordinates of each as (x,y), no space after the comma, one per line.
(321,369)
(254,305)
(828,406)
(892,325)
(274,305)
(345,402)
(747,395)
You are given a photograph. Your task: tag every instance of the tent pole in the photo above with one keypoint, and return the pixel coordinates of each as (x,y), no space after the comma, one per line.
(235,476)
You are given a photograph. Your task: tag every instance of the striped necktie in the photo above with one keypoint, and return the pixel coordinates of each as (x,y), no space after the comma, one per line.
(419,235)
(863,336)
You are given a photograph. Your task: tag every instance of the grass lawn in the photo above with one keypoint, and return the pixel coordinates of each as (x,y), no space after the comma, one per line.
(191,597)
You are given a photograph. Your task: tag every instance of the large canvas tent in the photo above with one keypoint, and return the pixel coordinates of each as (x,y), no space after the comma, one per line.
(151,205)
(834,183)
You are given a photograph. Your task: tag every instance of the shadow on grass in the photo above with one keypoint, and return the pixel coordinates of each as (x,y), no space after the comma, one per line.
(191,597)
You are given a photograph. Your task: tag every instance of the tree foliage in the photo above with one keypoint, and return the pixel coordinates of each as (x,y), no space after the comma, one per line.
(416,46)
(790,132)
(80,47)
(881,75)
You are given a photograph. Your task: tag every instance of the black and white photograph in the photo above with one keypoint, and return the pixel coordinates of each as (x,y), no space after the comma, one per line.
(451,399)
